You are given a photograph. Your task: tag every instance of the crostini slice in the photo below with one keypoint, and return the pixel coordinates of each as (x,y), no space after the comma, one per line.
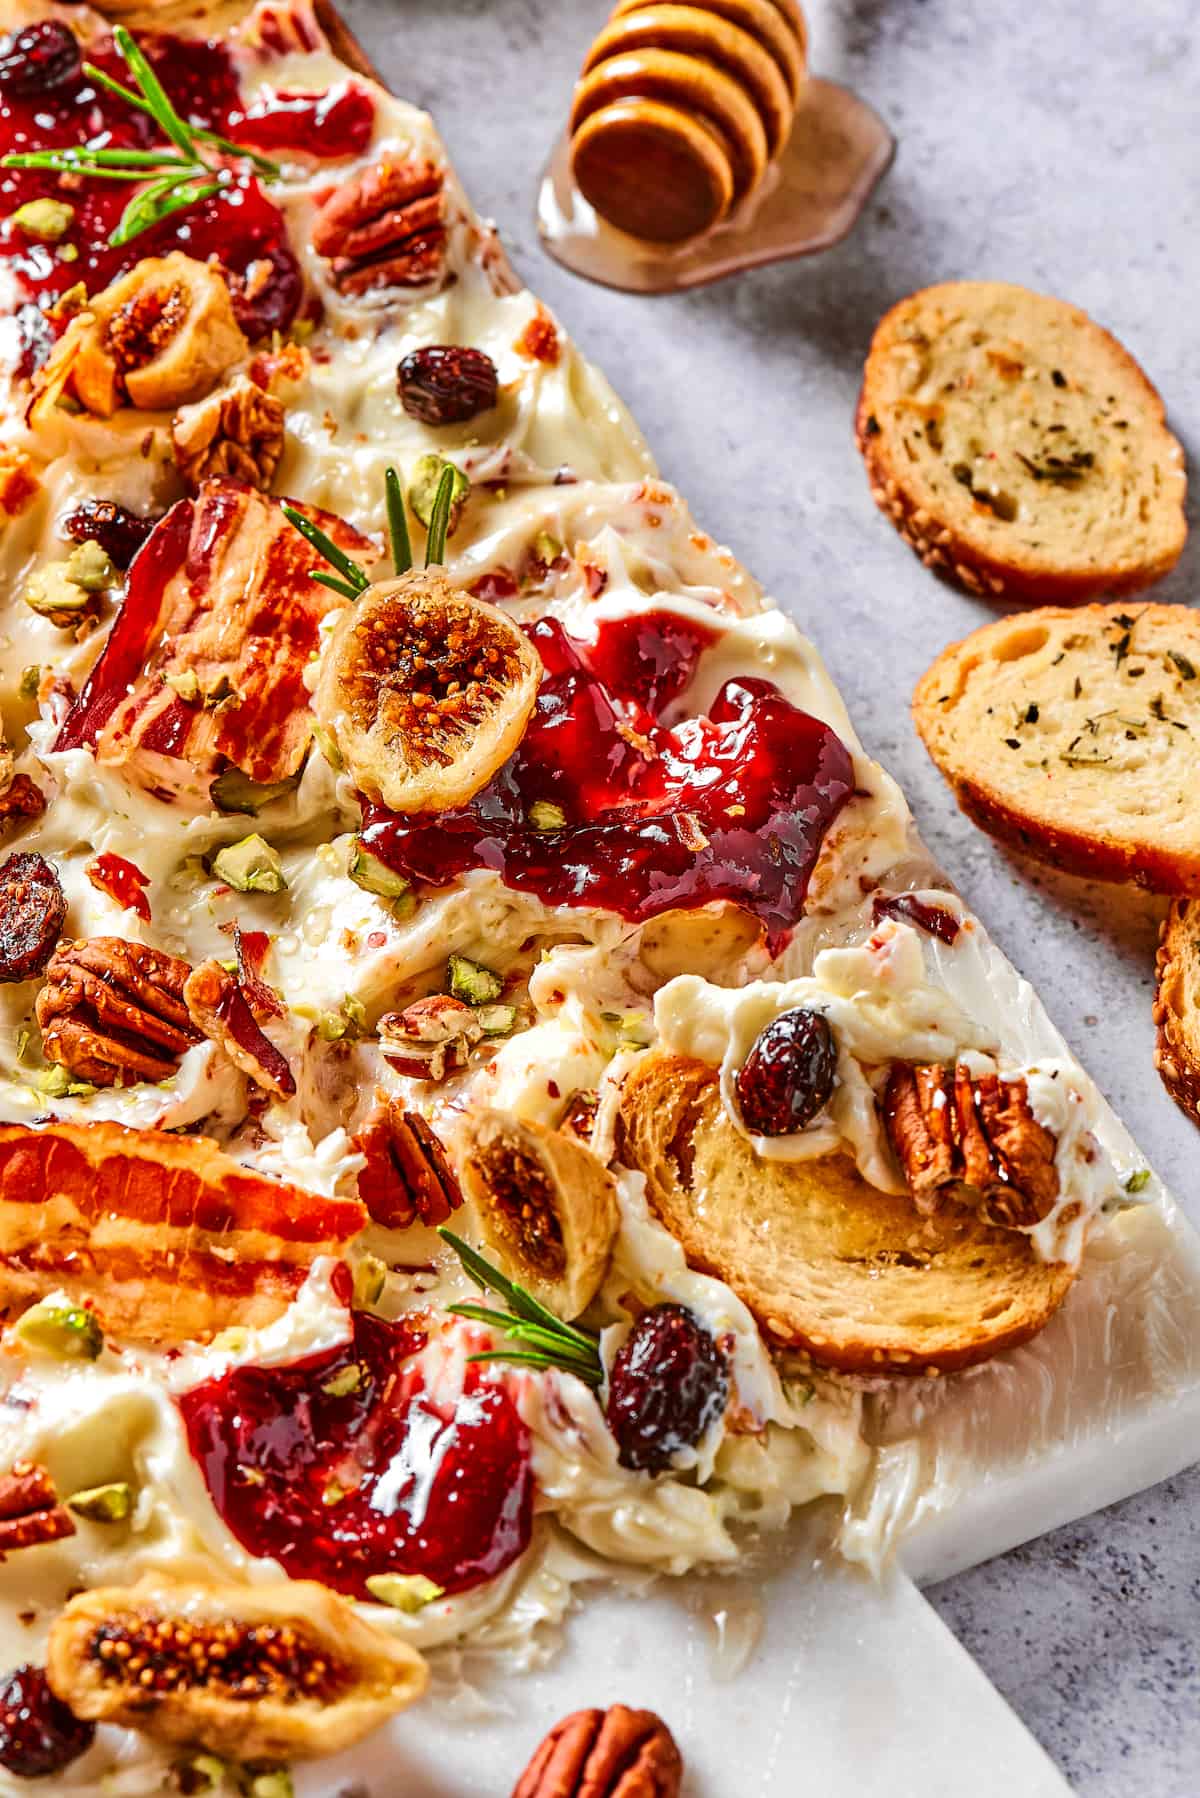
(829,1265)
(1074,735)
(1017,447)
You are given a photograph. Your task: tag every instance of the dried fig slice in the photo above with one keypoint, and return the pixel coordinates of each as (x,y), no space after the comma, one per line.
(283,1671)
(427,691)
(547,1207)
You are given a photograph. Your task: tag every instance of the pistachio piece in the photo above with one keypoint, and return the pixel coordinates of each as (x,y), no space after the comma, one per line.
(50,591)
(367,871)
(276,1783)
(251,866)
(408,1592)
(422,489)
(91,568)
(370,1278)
(545,815)
(49,220)
(103,1504)
(66,1332)
(31,680)
(471,982)
(497,1020)
(233,791)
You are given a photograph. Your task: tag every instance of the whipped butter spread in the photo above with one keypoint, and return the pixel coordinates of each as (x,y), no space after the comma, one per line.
(567,527)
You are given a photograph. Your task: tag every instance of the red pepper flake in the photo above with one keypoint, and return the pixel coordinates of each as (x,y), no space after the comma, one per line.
(496,584)
(122,881)
(596,578)
(540,339)
(377,939)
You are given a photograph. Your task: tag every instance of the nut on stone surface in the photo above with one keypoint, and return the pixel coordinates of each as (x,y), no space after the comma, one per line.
(617,1753)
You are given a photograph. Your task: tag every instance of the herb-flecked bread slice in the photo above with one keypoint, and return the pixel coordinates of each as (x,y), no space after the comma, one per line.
(828,1264)
(1074,735)
(1177,1005)
(1017,447)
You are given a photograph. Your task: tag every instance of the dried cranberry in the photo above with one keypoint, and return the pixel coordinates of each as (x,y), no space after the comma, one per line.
(668,1382)
(788,1075)
(119,533)
(38,1734)
(33,909)
(37,59)
(446,384)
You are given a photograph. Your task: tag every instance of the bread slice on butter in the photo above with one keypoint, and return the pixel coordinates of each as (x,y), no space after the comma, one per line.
(1074,735)
(1177,1005)
(1017,447)
(829,1265)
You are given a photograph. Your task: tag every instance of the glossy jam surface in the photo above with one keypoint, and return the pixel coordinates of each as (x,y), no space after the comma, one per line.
(241,225)
(386,1478)
(732,806)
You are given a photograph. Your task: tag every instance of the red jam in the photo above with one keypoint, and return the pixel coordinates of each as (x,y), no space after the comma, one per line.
(240,225)
(732,806)
(385,1478)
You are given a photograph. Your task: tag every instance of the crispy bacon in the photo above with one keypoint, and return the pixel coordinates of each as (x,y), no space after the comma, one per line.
(169,1237)
(204,667)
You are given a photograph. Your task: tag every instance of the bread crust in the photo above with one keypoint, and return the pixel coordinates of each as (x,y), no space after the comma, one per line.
(855,1278)
(1176,1009)
(951,537)
(1060,820)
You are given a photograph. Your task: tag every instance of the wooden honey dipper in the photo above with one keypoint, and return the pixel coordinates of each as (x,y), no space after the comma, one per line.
(680,108)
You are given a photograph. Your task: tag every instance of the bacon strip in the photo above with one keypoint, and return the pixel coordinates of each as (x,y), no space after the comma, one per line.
(168,1236)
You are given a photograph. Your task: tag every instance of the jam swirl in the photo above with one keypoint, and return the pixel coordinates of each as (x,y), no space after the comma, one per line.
(344,1465)
(646,815)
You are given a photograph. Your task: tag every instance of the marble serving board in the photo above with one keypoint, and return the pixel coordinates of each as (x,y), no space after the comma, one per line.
(854,1686)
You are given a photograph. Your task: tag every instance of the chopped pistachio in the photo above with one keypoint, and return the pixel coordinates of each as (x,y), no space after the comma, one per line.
(231,1341)
(1137,1181)
(346,1380)
(203,1773)
(409,1592)
(355,1010)
(251,866)
(275,1784)
(31,680)
(103,1504)
(185,683)
(69,252)
(497,1020)
(67,1332)
(327,743)
(367,871)
(422,490)
(50,590)
(190,874)
(332,1026)
(69,303)
(471,982)
(545,815)
(57,1083)
(90,567)
(24,1040)
(370,1277)
(546,548)
(49,220)
(233,791)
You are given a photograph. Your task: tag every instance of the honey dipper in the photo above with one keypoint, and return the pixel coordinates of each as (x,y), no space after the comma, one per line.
(681,107)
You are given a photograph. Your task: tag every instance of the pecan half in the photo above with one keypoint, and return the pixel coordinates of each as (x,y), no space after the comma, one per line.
(407,1175)
(238,433)
(617,1753)
(974,1139)
(428,1040)
(29,1509)
(217,1007)
(385,227)
(112,1012)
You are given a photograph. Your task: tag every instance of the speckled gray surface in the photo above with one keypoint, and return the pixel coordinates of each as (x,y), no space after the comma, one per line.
(1054,145)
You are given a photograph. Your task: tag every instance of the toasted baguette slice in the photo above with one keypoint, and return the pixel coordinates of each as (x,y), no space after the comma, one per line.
(826,1262)
(1177,1005)
(1017,447)
(1075,736)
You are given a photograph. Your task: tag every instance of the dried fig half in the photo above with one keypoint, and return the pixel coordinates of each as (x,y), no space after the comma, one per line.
(547,1207)
(285,1671)
(427,691)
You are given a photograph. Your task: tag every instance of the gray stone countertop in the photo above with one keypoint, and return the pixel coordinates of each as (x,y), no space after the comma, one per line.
(1054,145)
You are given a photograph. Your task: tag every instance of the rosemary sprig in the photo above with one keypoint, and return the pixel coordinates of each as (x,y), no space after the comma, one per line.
(540,1339)
(353,581)
(181,180)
